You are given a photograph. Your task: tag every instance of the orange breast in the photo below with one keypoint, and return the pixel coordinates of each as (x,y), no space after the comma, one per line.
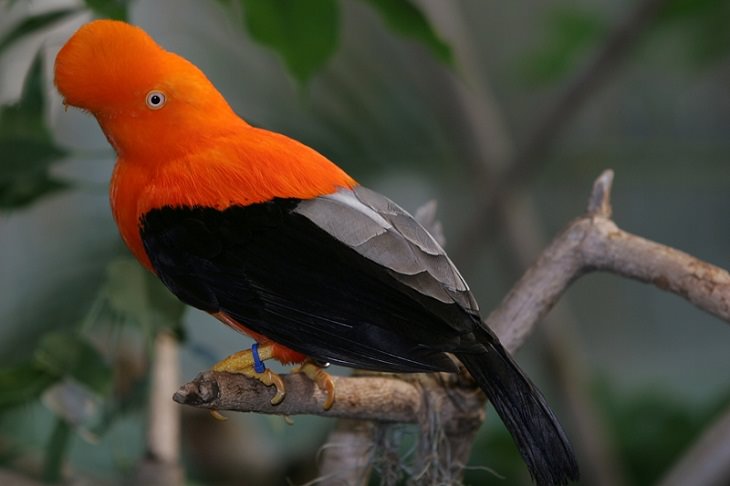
(250,166)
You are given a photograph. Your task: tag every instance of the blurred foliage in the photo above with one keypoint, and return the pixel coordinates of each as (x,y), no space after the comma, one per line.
(654,421)
(70,354)
(570,33)
(23,383)
(113,9)
(406,19)
(703,25)
(27,146)
(75,378)
(34,24)
(132,295)
(305,34)
(59,356)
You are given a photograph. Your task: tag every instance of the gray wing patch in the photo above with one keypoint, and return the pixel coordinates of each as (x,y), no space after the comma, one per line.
(384,233)
(329,213)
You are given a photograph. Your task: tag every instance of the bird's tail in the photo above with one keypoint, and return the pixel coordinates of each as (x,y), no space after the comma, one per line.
(539,437)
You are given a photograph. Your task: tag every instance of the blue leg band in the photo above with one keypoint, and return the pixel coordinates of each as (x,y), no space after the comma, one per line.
(258,365)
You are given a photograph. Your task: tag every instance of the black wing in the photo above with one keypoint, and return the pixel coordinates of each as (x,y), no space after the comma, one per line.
(348,278)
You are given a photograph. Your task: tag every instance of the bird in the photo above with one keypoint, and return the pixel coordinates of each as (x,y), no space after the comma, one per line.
(276,241)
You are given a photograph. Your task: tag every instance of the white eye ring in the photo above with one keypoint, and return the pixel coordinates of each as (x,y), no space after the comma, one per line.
(155,100)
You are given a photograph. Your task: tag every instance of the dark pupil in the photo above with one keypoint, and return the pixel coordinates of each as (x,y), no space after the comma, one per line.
(155,99)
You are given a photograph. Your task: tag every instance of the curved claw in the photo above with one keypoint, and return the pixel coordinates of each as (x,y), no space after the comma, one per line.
(218,416)
(328,386)
(322,379)
(269,378)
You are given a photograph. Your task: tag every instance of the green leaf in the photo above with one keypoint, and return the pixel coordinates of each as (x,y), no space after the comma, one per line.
(21,384)
(113,9)
(70,354)
(27,147)
(404,18)
(570,33)
(304,33)
(33,24)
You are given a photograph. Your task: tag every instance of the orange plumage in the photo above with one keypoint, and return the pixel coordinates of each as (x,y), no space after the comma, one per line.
(237,170)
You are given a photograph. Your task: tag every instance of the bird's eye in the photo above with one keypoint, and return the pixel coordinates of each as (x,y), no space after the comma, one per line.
(155,100)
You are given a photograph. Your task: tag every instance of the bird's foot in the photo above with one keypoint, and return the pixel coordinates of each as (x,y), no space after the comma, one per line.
(249,362)
(321,378)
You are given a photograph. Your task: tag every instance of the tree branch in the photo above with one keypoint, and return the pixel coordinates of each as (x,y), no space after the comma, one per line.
(594,242)
(381,397)
(362,398)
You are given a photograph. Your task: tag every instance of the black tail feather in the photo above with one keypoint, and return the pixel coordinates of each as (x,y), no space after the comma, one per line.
(539,437)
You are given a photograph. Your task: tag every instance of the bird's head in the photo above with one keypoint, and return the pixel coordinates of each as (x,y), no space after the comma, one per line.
(145,98)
